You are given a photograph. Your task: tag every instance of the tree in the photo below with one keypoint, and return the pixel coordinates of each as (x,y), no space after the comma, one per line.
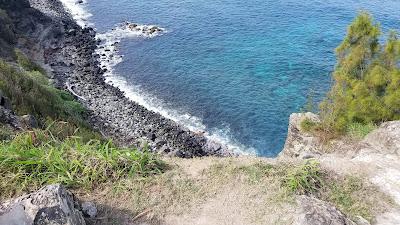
(366,78)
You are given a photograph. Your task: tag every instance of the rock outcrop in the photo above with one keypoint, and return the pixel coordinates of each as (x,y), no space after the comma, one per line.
(376,157)
(300,144)
(52,204)
(385,139)
(313,211)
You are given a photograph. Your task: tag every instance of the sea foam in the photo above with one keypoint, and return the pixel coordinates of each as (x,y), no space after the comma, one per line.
(78,12)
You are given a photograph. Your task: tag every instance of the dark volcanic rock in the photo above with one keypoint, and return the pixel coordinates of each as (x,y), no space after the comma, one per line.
(52,204)
(316,212)
(55,40)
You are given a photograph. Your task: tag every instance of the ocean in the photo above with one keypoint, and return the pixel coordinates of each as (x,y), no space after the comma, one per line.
(235,69)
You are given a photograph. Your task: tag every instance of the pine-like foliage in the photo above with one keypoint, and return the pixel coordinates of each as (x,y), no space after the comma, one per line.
(367,77)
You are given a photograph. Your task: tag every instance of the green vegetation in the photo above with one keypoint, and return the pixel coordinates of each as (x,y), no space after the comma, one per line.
(30,94)
(305,179)
(37,158)
(349,194)
(5,132)
(308,125)
(367,78)
(30,66)
(353,198)
(360,130)
(65,149)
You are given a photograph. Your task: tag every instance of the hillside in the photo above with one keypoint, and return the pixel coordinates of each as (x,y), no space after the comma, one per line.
(78,152)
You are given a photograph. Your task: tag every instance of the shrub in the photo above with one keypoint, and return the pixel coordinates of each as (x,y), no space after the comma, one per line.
(367,78)
(36,158)
(308,125)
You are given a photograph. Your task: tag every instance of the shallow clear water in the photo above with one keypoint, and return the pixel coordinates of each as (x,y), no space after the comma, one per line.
(241,67)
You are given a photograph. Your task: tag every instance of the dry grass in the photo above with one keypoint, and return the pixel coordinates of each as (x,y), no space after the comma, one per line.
(217,191)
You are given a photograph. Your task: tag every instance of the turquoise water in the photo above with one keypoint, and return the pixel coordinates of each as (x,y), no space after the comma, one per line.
(241,67)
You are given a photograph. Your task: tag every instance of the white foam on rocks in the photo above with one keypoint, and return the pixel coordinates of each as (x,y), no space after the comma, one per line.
(77,9)
(110,57)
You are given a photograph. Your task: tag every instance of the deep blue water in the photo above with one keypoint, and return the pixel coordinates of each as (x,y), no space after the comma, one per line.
(239,66)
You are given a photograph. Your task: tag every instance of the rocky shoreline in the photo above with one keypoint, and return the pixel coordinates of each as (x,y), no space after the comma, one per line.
(70,54)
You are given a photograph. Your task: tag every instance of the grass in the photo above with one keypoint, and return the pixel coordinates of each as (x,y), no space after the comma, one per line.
(351,195)
(5,133)
(359,130)
(304,179)
(239,184)
(28,65)
(36,158)
(30,94)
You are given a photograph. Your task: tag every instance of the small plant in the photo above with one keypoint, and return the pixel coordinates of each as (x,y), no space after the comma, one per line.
(360,130)
(308,125)
(304,179)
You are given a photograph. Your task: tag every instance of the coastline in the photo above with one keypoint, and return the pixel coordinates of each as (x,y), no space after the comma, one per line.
(75,67)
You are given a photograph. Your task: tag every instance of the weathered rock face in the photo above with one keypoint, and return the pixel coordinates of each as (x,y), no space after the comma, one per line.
(316,212)
(52,204)
(385,139)
(298,143)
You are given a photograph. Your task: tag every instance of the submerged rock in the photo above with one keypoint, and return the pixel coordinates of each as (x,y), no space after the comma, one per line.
(52,204)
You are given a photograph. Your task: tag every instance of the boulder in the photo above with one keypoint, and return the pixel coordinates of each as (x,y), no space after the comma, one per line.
(52,204)
(89,209)
(313,211)
(8,117)
(299,143)
(385,139)
(28,121)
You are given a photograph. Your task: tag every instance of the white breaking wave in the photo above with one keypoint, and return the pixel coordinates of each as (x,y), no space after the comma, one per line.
(77,10)
(110,57)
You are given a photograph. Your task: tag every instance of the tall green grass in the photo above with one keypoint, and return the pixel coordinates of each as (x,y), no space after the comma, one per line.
(30,93)
(37,158)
